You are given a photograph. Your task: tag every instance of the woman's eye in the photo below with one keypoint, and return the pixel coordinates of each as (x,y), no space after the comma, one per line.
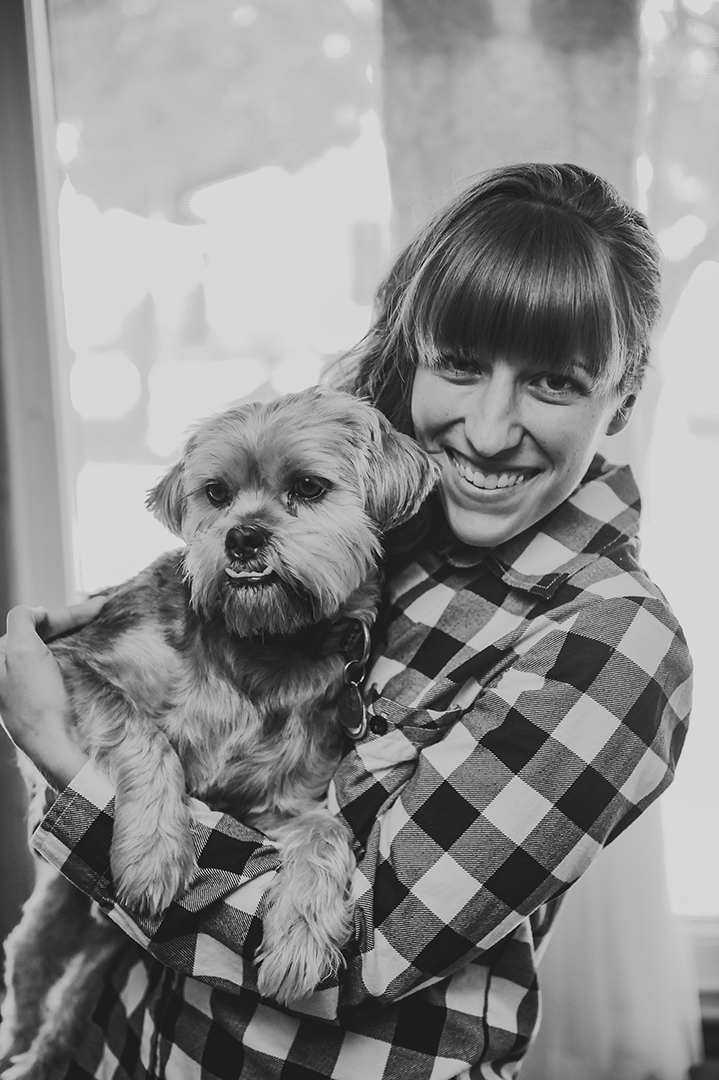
(558,384)
(308,488)
(217,492)
(457,365)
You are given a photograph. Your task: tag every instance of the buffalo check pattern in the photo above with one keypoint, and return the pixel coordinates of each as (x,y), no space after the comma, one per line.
(525,706)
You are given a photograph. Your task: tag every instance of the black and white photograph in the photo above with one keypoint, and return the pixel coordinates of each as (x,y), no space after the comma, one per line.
(359,433)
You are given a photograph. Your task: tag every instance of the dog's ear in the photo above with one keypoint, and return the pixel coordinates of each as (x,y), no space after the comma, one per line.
(167,499)
(401,477)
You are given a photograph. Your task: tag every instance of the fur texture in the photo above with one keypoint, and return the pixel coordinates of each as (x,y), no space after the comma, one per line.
(194,678)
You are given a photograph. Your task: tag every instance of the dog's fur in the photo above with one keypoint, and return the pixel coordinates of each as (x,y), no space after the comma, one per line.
(195,678)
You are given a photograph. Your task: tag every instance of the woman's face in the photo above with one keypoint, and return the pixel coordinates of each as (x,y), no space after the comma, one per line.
(514,440)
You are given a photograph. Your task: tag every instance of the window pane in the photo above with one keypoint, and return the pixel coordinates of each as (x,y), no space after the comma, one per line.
(223,224)
(679,174)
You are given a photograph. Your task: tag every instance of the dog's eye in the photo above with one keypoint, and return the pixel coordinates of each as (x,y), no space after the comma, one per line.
(217,492)
(308,488)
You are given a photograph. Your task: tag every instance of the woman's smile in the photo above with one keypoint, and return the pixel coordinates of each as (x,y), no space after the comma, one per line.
(487,479)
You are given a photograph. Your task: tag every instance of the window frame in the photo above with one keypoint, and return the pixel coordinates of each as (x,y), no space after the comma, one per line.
(34,355)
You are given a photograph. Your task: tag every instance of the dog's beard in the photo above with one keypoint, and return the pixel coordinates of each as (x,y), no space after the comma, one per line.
(275,608)
(305,585)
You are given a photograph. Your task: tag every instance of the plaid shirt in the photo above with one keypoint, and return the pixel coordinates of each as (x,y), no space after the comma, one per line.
(526,704)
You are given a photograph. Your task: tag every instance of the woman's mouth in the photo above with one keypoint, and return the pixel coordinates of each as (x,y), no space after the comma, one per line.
(491,481)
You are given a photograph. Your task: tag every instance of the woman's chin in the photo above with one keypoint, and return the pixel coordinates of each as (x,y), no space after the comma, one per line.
(487,518)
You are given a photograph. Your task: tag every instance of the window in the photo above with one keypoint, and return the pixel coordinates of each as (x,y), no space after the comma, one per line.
(222,219)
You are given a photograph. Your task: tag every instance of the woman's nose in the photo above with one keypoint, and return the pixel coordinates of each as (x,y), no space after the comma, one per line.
(492,421)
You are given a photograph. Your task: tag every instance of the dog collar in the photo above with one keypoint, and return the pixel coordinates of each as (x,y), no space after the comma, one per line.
(351,638)
(351,712)
(347,636)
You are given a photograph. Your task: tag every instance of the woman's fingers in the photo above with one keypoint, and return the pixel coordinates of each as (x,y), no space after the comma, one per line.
(31,685)
(22,630)
(51,624)
(33,701)
(25,623)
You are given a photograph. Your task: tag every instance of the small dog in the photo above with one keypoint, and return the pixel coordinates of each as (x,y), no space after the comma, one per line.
(228,670)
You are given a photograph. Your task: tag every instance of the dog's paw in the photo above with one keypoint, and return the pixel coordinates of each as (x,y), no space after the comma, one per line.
(310,910)
(150,885)
(301,946)
(293,969)
(150,868)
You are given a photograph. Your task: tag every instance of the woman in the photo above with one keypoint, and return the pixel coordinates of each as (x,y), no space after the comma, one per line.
(528,696)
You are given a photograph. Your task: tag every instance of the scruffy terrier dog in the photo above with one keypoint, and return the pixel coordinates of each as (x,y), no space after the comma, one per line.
(227,670)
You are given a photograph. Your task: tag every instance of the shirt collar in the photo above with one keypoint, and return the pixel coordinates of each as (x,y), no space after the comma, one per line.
(602,512)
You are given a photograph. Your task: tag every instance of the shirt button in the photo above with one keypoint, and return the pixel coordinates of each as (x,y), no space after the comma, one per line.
(378,725)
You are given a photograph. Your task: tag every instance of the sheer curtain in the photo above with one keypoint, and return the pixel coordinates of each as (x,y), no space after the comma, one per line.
(620,999)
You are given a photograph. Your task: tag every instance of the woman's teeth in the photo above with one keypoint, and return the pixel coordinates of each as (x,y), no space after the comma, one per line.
(488,481)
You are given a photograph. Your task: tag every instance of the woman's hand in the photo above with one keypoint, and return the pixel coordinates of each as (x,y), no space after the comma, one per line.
(34,705)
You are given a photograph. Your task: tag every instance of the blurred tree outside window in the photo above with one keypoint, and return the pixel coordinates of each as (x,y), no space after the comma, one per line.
(224,220)
(223,224)
(678,173)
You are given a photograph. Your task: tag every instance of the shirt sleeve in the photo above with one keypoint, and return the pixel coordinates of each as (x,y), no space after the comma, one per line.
(466,827)
(213,929)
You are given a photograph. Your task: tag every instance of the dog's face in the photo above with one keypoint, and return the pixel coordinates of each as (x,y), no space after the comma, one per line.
(282,503)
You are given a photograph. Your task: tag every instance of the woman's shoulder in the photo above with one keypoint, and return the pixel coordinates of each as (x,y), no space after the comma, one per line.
(623,639)
(615,580)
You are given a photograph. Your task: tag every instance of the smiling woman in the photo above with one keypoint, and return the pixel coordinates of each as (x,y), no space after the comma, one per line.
(527,698)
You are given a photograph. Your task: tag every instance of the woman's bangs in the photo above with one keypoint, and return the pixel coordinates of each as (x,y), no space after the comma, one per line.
(540,296)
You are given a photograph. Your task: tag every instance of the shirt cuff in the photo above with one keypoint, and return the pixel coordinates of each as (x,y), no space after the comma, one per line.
(75,835)
(76,832)
(94,785)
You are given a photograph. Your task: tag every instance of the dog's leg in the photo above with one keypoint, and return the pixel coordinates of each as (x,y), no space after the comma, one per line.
(70,1004)
(52,929)
(310,912)
(152,855)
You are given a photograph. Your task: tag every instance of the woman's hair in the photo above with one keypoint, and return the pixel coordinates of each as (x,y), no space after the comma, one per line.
(543,262)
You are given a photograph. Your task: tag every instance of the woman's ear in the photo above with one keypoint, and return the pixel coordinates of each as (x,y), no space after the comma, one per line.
(621,417)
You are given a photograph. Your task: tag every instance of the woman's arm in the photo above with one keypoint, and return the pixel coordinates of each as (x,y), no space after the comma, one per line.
(575,737)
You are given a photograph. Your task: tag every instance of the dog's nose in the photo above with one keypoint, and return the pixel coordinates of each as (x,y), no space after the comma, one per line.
(245,540)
